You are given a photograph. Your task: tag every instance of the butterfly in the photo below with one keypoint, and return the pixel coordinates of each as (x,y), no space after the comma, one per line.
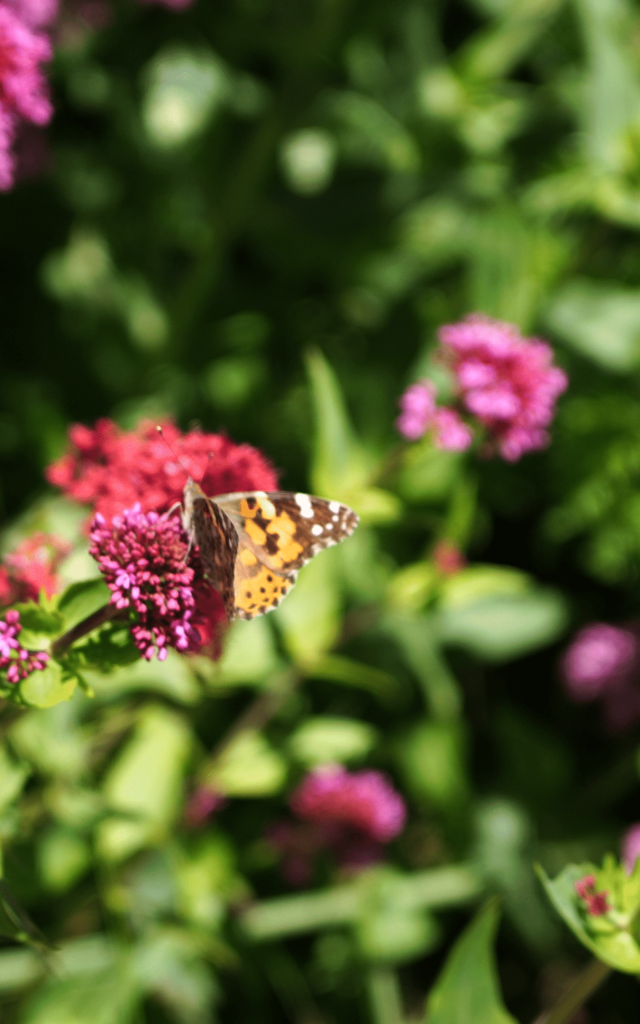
(252,544)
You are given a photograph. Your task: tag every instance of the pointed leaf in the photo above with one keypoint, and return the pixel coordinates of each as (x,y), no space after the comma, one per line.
(467,989)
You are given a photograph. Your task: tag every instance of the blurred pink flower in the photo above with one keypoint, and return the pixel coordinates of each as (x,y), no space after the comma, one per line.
(419,414)
(603,661)
(598,655)
(508,382)
(448,558)
(31,568)
(34,13)
(418,408)
(630,847)
(23,88)
(364,800)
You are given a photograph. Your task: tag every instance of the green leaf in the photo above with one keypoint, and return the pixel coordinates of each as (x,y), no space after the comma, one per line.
(612,938)
(249,655)
(249,766)
(310,617)
(341,468)
(39,625)
(432,756)
(601,321)
(324,739)
(83,599)
(45,688)
(144,784)
(504,627)
(63,856)
(110,996)
(12,778)
(50,739)
(417,639)
(467,988)
(388,930)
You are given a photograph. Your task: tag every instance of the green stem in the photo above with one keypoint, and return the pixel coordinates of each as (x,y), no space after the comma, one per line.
(105,614)
(384,995)
(577,995)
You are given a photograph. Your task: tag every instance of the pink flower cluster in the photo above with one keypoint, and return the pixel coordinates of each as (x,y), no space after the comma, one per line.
(631,847)
(351,814)
(112,469)
(32,568)
(603,661)
(363,800)
(15,661)
(24,93)
(595,903)
(506,382)
(142,557)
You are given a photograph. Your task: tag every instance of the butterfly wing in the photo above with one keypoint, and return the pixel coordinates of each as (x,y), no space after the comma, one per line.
(210,528)
(278,532)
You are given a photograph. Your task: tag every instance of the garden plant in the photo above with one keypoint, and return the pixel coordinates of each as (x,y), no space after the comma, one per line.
(320,497)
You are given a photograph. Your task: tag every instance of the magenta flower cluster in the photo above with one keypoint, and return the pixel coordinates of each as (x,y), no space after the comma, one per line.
(630,847)
(363,800)
(142,557)
(15,661)
(603,661)
(507,383)
(24,93)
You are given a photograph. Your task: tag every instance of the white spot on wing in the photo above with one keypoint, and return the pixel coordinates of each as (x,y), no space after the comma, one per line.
(334,506)
(316,529)
(267,507)
(328,526)
(304,504)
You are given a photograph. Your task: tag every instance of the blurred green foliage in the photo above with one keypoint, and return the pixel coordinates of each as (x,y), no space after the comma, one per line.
(256,215)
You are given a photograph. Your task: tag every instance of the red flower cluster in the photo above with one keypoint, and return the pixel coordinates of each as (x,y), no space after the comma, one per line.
(32,568)
(596,903)
(15,661)
(111,469)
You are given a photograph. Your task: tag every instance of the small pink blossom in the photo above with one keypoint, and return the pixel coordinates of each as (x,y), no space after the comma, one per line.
(418,408)
(363,800)
(631,847)
(16,662)
(142,558)
(603,662)
(448,558)
(598,655)
(451,432)
(596,903)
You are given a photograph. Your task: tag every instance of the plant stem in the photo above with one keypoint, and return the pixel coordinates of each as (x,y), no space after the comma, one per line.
(105,614)
(577,995)
(384,995)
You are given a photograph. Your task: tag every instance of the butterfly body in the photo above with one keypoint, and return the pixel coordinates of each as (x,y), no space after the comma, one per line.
(252,544)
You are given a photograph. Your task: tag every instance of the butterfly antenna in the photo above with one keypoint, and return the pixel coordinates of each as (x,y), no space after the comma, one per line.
(177,457)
